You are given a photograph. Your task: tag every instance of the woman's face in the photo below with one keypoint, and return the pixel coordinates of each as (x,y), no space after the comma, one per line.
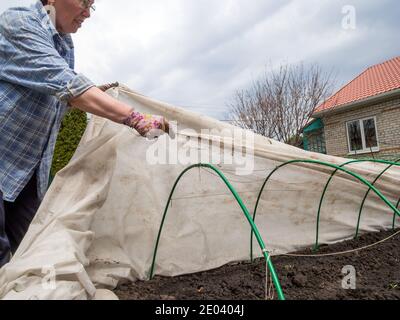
(70,14)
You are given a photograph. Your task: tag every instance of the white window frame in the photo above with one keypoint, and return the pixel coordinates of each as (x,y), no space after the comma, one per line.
(364,149)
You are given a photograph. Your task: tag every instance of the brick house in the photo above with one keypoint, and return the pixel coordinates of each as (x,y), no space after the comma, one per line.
(362,119)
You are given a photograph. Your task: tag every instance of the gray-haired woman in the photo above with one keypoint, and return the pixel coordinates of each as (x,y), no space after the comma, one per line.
(37,84)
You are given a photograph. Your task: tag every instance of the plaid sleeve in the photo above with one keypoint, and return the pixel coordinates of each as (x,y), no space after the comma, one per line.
(29,58)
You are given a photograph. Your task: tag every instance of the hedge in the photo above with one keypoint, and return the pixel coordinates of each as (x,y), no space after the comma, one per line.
(71,131)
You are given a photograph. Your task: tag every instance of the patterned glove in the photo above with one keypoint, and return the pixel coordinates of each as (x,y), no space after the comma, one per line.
(145,123)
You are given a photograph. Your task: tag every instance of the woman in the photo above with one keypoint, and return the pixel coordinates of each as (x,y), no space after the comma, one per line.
(37,84)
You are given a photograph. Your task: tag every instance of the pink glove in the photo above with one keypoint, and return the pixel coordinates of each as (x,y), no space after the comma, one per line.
(144,123)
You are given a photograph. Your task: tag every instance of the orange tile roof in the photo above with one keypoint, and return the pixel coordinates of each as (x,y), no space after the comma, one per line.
(378,79)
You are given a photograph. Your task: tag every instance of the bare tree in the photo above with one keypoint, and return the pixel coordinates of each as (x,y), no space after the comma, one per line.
(281,103)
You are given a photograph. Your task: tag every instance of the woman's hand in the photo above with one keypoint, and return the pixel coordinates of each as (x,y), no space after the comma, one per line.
(107,86)
(147,124)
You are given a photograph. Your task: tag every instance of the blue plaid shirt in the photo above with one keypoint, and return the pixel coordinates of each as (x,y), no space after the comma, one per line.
(36,81)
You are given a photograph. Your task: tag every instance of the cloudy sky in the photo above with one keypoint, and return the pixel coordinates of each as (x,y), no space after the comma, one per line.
(196,53)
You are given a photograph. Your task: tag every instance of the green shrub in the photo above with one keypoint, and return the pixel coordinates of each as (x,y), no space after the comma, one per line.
(71,131)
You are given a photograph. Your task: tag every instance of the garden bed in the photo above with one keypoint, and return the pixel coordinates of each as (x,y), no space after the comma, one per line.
(377,276)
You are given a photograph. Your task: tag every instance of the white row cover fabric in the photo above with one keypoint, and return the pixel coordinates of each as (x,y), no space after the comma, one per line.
(99,221)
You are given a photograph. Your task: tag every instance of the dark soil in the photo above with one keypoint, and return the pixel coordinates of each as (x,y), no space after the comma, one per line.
(377,276)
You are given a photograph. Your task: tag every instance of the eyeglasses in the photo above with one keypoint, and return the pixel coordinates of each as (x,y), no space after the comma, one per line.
(86,4)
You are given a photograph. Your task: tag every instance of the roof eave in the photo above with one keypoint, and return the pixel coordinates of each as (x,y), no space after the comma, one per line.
(355,104)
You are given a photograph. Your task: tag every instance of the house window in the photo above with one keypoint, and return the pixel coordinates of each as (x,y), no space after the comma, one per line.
(362,136)
(316,141)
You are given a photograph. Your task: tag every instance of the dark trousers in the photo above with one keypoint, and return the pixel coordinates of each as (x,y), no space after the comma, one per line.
(15,218)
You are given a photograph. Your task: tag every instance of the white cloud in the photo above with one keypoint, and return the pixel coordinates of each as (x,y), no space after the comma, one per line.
(197,53)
